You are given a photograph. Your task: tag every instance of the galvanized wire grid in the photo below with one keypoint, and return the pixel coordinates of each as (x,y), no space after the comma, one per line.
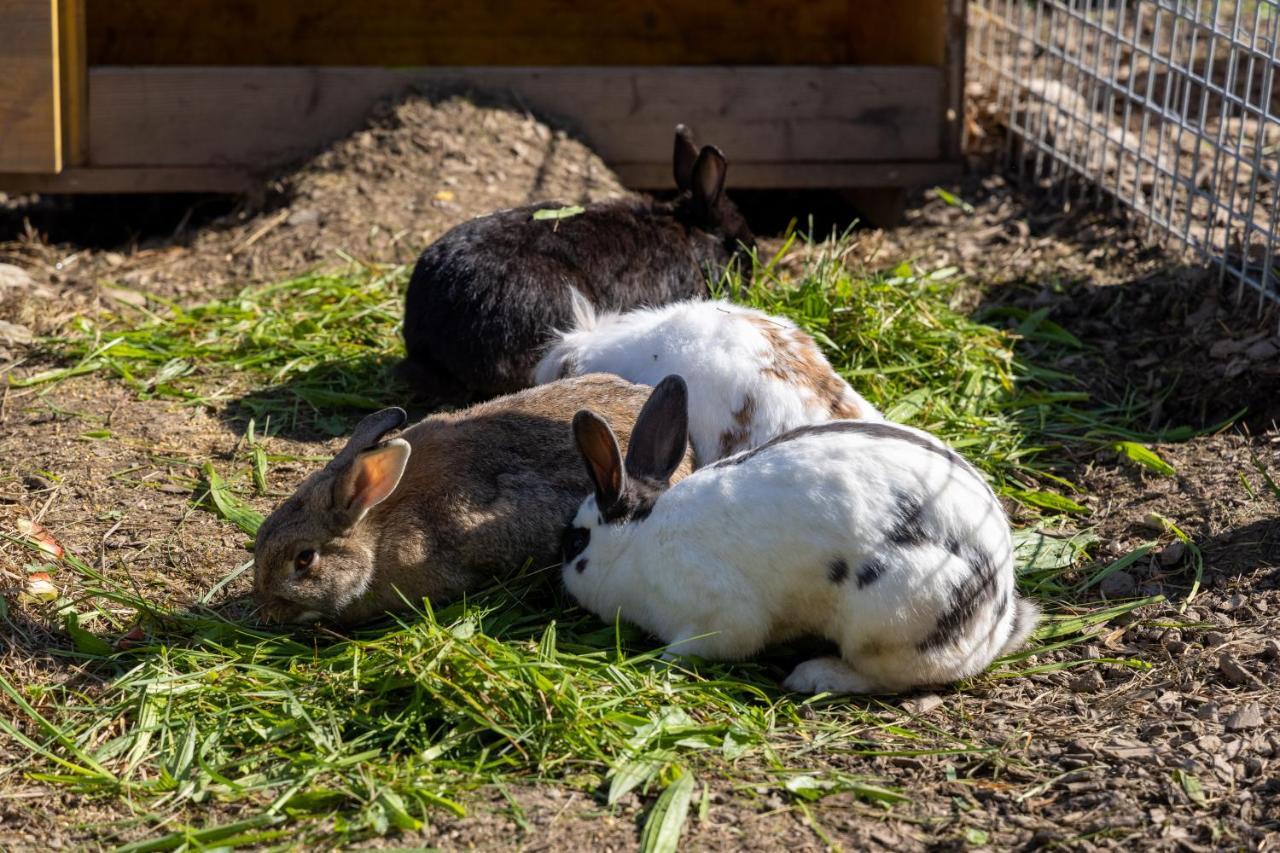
(1168,106)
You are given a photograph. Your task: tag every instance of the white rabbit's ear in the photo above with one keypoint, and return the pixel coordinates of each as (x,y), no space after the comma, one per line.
(369,480)
(599,447)
(584,313)
(686,154)
(661,433)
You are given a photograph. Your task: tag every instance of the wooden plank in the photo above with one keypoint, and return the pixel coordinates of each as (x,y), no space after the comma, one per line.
(255,116)
(73,77)
(834,175)
(502,32)
(30,124)
(228,179)
(132,180)
(897,32)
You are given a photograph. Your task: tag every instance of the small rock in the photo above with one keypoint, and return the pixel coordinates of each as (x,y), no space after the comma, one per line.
(1210,744)
(1234,603)
(305,216)
(113,259)
(35,482)
(1172,553)
(1261,351)
(14,276)
(1225,348)
(11,334)
(1245,717)
(1089,682)
(1170,635)
(922,704)
(1177,647)
(1233,671)
(1119,585)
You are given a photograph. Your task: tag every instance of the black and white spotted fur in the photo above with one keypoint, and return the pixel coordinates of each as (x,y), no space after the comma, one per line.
(874,535)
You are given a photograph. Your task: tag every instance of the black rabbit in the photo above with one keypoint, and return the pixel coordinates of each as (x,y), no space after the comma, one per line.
(487,296)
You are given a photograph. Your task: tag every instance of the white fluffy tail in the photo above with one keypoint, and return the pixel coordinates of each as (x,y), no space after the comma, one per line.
(584,313)
(1025,617)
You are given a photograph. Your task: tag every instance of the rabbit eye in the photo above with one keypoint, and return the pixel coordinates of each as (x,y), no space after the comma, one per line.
(574,541)
(304,561)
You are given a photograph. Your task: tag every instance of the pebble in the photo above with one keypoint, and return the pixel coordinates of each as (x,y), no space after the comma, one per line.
(305,216)
(1234,603)
(1089,682)
(1261,351)
(1119,585)
(1172,553)
(922,704)
(11,334)
(1245,717)
(14,276)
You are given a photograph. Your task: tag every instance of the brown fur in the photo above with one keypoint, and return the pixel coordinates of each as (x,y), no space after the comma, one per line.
(485,490)
(736,437)
(798,361)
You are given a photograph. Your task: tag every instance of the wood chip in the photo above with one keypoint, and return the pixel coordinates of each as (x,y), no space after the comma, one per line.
(1246,717)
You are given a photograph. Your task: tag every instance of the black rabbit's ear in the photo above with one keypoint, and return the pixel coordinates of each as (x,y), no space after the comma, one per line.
(599,448)
(708,179)
(686,154)
(661,433)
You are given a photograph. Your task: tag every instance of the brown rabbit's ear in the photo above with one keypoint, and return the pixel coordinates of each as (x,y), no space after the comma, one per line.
(686,155)
(367,433)
(661,434)
(370,479)
(599,448)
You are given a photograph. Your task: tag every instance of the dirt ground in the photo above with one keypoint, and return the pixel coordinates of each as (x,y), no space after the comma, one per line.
(1097,753)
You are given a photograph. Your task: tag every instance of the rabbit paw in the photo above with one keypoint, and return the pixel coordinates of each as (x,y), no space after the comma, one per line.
(827,675)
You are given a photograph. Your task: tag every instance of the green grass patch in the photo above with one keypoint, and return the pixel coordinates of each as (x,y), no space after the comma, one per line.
(330,738)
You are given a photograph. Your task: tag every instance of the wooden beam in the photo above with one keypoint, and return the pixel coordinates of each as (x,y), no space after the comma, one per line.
(254,117)
(132,180)
(73,77)
(30,121)
(501,32)
(652,176)
(832,175)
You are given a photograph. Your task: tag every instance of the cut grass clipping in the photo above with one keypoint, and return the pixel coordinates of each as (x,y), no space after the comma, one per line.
(327,738)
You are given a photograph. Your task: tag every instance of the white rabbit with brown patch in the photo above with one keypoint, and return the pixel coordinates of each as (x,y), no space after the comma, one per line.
(751,375)
(873,535)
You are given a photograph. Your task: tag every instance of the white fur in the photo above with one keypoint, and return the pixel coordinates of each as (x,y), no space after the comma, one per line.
(739,555)
(722,353)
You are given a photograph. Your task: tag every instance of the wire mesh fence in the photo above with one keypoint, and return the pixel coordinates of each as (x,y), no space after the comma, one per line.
(1169,107)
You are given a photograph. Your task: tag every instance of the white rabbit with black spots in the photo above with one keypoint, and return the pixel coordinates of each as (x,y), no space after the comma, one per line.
(873,535)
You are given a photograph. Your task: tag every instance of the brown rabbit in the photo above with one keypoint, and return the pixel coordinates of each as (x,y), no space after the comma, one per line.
(451,504)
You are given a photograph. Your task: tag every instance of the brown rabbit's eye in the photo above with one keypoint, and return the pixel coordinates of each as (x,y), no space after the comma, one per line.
(305,560)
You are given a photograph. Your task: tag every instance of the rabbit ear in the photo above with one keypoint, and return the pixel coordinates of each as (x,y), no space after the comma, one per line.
(368,433)
(661,433)
(708,178)
(369,480)
(686,155)
(599,448)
